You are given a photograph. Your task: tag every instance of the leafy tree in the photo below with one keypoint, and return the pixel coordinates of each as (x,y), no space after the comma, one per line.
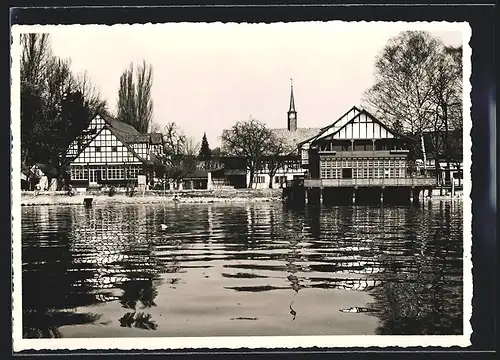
(135,105)
(205,152)
(249,139)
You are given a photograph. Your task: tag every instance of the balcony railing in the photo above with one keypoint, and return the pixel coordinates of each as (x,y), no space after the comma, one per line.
(406,182)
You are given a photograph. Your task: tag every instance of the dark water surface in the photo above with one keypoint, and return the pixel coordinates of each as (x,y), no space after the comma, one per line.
(250,269)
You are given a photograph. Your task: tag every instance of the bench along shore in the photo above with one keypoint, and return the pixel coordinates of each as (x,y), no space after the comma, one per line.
(30,198)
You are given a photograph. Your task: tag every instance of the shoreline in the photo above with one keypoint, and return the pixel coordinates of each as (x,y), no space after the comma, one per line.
(193,197)
(190,197)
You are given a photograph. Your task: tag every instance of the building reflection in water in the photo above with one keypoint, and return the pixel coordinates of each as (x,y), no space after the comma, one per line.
(408,259)
(119,244)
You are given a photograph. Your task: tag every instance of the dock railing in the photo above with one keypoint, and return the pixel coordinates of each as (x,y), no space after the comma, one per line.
(394,182)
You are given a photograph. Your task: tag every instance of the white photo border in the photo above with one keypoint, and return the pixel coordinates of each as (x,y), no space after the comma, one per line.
(257,342)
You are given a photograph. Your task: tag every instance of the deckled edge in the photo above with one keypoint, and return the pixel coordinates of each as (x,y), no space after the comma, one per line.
(259,342)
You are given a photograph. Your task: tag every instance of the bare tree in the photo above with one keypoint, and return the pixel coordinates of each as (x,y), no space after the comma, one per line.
(91,95)
(154,127)
(56,105)
(179,160)
(275,154)
(35,54)
(447,95)
(191,146)
(174,139)
(417,88)
(248,139)
(135,105)
(402,93)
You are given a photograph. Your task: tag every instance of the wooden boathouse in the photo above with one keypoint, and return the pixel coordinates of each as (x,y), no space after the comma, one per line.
(358,159)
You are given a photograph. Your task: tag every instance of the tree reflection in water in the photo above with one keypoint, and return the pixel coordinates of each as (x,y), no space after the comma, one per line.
(51,292)
(408,259)
(138,320)
(424,295)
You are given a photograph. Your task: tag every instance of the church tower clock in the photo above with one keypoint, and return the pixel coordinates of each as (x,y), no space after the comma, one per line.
(292,113)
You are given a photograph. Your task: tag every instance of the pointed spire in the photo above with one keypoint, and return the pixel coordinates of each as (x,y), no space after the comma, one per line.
(292,100)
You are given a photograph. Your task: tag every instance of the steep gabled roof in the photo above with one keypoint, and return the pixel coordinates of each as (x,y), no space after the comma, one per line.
(118,136)
(121,126)
(341,121)
(129,134)
(344,124)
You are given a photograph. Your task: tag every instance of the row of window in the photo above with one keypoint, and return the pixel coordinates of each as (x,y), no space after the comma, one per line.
(280,179)
(104,173)
(360,147)
(367,173)
(365,163)
(287,166)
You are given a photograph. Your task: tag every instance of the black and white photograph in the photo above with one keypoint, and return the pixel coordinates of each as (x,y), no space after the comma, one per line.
(241,185)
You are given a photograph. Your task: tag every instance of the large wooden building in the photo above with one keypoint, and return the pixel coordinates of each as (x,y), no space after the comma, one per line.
(111,152)
(359,152)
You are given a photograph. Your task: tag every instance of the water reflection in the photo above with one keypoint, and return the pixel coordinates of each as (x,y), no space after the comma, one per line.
(53,285)
(408,260)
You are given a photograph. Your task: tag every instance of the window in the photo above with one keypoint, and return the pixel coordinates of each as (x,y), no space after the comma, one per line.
(115,173)
(78,173)
(97,149)
(114,149)
(261,179)
(280,179)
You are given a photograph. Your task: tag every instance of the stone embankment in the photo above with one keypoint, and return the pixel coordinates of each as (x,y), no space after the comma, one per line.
(29,198)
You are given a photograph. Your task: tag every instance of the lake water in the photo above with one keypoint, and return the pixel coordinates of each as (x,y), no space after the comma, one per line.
(249,269)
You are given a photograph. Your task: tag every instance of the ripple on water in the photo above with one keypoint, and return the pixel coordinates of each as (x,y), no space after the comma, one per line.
(216,266)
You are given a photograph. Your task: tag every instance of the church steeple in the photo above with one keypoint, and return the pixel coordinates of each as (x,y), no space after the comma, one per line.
(292,113)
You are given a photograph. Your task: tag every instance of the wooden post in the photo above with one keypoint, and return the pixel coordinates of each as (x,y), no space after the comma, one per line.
(88,202)
(452,184)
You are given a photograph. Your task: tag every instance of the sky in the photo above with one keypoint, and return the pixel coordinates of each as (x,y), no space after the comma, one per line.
(206,77)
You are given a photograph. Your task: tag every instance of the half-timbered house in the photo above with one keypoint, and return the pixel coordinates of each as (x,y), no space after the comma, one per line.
(111,152)
(359,152)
